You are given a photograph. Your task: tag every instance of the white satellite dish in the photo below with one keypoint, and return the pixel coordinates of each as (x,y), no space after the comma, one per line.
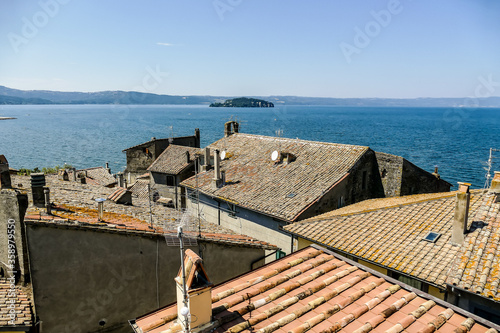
(223,155)
(274,155)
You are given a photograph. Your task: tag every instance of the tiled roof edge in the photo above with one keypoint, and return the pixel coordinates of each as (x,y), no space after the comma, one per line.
(106,228)
(444,196)
(364,259)
(411,289)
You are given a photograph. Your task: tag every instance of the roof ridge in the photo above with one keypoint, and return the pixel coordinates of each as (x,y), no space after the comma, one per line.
(368,210)
(273,138)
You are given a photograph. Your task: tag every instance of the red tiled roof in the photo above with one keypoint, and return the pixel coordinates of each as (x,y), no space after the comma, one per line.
(318,291)
(477,265)
(22,306)
(118,194)
(393,236)
(173,160)
(283,190)
(88,218)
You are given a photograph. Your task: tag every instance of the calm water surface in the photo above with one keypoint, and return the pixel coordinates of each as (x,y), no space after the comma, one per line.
(455,139)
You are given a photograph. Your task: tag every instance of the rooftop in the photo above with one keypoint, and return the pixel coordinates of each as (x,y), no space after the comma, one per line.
(173,159)
(22,306)
(477,265)
(282,190)
(317,290)
(74,206)
(392,235)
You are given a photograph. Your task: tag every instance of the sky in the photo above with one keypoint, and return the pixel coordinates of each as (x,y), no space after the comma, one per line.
(323,48)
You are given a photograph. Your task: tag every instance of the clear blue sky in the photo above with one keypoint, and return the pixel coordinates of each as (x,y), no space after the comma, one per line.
(424,48)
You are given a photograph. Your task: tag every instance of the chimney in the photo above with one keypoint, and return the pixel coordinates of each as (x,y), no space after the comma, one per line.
(461,214)
(5,181)
(107,168)
(197,137)
(207,165)
(231,127)
(217,168)
(100,208)
(435,173)
(188,158)
(198,310)
(37,184)
(74,174)
(46,192)
(121,181)
(495,183)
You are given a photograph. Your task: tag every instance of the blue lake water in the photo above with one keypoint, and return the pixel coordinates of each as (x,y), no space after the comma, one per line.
(457,140)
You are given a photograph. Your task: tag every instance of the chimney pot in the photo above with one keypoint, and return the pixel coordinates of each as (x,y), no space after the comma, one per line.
(461,216)
(217,168)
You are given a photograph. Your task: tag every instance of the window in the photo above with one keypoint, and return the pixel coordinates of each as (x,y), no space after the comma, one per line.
(231,210)
(432,237)
(280,254)
(170,180)
(341,202)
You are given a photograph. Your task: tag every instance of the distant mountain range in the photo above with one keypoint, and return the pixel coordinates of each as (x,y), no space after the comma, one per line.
(17,97)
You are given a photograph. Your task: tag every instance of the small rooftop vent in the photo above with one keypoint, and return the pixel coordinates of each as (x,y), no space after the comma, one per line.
(432,237)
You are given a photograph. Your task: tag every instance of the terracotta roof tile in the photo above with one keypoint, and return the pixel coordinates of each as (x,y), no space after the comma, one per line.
(346,299)
(22,306)
(282,190)
(393,236)
(477,265)
(80,217)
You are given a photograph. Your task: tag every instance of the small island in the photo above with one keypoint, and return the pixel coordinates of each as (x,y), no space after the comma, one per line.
(243,102)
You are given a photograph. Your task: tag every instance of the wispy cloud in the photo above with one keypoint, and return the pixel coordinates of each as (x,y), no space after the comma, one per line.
(164,44)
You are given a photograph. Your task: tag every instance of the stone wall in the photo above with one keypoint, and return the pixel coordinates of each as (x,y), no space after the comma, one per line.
(390,170)
(13,206)
(83,278)
(415,180)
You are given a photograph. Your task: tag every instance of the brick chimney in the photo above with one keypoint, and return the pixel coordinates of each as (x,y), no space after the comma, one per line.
(461,214)
(198,310)
(206,157)
(231,127)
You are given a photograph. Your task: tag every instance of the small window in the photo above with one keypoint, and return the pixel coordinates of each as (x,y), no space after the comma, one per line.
(290,195)
(170,180)
(280,254)
(432,237)
(231,210)
(341,202)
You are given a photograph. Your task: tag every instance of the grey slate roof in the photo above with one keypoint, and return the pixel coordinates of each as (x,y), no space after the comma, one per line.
(280,190)
(173,160)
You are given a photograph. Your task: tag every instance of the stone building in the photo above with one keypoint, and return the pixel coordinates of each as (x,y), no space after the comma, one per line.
(174,165)
(445,244)
(258,184)
(141,156)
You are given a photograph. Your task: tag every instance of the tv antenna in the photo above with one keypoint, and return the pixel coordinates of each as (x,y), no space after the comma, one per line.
(489,165)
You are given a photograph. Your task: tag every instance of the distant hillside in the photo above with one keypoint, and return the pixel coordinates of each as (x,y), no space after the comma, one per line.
(14,96)
(243,102)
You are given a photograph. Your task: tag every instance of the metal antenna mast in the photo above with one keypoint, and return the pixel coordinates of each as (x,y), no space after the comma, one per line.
(490,165)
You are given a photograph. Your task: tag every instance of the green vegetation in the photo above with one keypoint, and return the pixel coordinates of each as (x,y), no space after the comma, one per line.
(243,102)
(47,171)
